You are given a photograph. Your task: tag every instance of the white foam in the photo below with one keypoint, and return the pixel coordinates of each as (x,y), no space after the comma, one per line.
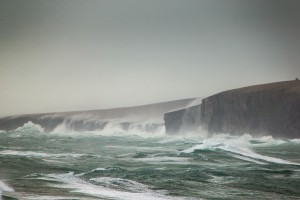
(114,129)
(126,155)
(4,188)
(135,129)
(164,159)
(247,159)
(124,183)
(141,149)
(30,127)
(60,129)
(192,138)
(267,141)
(238,145)
(78,185)
(99,169)
(39,154)
(171,140)
(94,170)
(44,197)
(296,141)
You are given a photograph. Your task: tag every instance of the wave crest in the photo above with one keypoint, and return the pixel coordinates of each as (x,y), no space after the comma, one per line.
(79,185)
(30,127)
(4,188)
(240,147)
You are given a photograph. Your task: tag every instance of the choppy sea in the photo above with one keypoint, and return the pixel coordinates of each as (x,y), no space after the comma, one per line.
(96,165)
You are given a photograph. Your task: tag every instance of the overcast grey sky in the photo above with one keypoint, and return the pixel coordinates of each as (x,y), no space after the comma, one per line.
(64,55)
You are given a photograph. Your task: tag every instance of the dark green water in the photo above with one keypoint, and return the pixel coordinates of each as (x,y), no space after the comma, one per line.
(97,166)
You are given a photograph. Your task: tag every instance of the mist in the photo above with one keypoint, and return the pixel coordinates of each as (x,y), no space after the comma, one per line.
(78,55)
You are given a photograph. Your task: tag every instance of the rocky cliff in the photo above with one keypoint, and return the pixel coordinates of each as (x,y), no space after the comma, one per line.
(147,118)
(268,109)
(184,120)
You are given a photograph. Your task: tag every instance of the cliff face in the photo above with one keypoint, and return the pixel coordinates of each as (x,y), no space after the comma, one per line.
(184,120)
(270,109)
(147,118)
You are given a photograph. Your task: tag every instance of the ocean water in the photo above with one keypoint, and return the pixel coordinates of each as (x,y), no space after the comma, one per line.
(118,165)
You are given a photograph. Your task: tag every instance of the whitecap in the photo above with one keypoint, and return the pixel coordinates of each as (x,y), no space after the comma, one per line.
(247,159)
(267,141)
(44,197)
(239,145)
(115,128)
(296,141)
(141,149)
(4,188)
(124,183)
(30,127)
(78,185)
(39,154)
(94,170)
(98,169)
(164,159)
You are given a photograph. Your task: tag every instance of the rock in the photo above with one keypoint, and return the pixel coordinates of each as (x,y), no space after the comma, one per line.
(268,109)
(147,118)
(184,120)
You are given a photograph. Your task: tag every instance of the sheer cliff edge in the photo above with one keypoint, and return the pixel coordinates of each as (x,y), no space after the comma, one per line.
(268,109)
(147,118)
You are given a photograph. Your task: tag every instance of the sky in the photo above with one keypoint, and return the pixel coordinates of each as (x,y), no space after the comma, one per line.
(66,55)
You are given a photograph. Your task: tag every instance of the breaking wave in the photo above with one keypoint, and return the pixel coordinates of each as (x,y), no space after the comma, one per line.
(104,187)
(241,147)
(39,154)
(30,127)
(4,188)
(142,129)
(117,164)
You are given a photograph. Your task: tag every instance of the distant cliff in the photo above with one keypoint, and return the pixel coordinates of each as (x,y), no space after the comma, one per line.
(145,118)
(268,109)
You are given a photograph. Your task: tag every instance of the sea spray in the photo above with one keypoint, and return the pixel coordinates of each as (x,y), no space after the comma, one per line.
(30,127)
(4,188)
(240,146)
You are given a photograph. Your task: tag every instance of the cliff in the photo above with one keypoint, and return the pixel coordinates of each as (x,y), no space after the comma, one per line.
(146,117)
(183,120)
(268,109)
